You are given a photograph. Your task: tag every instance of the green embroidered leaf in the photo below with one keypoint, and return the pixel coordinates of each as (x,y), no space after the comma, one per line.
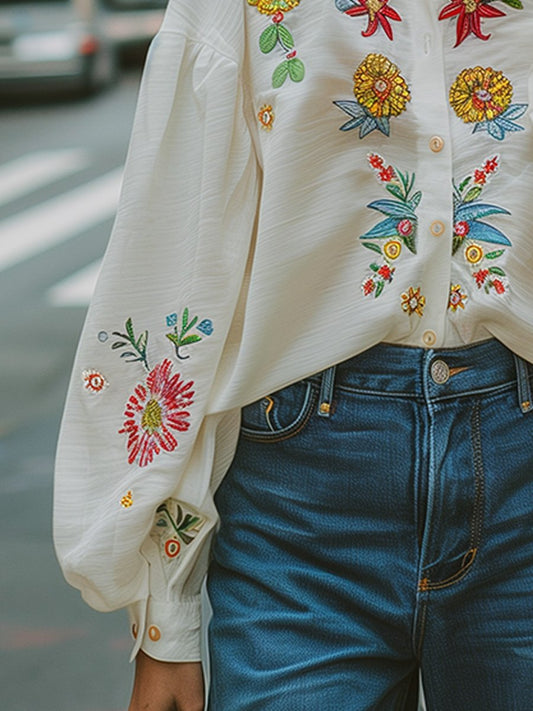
(404,180)
(296,69)
(174,338)
(129,330)
(396,191)
(393,208)
(179,517)
(118,344)
(457,242)
(189,339)
(192,324)
(465,182)
(189,522)
(385,228)
(473,211)
(472,194)
(280,74)
(268,39)
(185,318)
(497,270)
(517,4)
(410,241)
(379,288)
(495,255)
(375,267)
(142,342)
(373,247)
(185,537)
(285,37)
(415,200)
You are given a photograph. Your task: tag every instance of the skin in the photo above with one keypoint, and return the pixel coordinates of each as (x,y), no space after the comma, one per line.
(166,686)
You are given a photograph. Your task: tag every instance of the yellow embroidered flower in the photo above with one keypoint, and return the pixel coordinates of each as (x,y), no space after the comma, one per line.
(266,117)
(474,253)
(457,297)
(127,501)
(392,249)
(379,86)
(480,94)
(270,7)
(413,302)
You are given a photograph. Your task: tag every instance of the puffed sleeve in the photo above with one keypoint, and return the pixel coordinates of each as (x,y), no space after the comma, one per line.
(140,444)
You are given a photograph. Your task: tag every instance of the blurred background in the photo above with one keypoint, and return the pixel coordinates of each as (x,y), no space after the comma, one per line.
(69,76)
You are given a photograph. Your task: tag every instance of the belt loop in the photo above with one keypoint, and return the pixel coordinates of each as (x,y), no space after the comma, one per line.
(326,392)
(524,386)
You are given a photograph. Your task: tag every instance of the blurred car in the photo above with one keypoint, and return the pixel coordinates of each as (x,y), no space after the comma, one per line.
(47,44)
(131,24)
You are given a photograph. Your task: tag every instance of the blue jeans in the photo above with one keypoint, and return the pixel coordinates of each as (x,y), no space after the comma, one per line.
(377,521)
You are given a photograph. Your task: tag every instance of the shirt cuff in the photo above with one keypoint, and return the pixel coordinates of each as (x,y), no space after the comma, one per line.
(169,631)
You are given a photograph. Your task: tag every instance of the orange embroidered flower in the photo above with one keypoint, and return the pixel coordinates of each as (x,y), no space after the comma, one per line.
(457,298)
(94,381)
(154,411)
(266,117)
(127,501)
(413,302)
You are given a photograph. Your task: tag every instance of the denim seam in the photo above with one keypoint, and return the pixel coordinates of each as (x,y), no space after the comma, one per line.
(296,427)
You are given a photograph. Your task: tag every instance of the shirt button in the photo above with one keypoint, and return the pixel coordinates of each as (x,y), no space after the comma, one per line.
(429,338)
(436,143)
(437,228)
(154,633)
(440,372)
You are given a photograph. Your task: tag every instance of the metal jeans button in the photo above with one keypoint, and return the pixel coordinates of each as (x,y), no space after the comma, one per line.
(440,372)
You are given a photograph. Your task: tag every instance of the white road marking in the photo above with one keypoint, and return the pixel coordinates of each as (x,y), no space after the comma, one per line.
(77,289)
(27,173)
(45,225)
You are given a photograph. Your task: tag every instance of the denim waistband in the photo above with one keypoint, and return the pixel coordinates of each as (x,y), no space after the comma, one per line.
(430,374)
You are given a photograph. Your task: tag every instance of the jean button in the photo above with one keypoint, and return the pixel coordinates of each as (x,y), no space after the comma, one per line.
(440,372)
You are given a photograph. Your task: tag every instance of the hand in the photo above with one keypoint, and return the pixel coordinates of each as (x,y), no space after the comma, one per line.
(166,686)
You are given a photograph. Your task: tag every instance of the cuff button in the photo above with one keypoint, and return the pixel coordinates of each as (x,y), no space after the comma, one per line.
(154,633)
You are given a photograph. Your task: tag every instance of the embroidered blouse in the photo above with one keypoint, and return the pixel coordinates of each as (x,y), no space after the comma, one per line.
(306,178)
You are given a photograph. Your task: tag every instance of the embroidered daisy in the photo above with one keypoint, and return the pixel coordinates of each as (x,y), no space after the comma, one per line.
(154,411)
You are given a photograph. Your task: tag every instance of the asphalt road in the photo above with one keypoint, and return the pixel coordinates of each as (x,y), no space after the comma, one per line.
(60,167)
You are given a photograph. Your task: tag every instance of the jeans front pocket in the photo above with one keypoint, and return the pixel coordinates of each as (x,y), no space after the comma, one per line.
(280,415)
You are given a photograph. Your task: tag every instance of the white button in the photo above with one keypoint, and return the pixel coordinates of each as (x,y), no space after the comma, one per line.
(440,372)
(429,338)
(436,143)
(437,228)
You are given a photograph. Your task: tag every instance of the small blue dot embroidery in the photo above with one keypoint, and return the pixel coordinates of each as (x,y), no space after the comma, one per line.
(172,320)
(206,327)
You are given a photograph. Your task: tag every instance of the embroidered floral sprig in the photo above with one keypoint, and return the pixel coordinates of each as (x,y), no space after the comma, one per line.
(186,526)
(398,229)
(278,35)
(469,14)
(183,336)
(380,93)
(138,354)
(469,229)
(482,96)
(379,13)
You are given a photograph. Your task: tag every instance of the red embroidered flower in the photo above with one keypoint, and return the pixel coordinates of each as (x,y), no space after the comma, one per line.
(386,272)
(499,286)
(368,286)
(153,411)
(469,14)
(461,229)
(378,13)
(386,174)
(480,277)
(491,165)
(375,161)
(480,177)
(405,227)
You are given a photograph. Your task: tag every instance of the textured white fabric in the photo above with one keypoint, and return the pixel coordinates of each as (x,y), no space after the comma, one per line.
(262,233)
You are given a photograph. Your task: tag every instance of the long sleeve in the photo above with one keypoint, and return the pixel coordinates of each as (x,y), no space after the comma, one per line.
(139,444)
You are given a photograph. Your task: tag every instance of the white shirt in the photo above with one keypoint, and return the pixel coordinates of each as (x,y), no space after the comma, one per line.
(305,180)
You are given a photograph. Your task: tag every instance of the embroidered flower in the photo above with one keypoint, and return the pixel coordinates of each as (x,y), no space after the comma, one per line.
(381,92)
(413,302)
(154,411)
(278,35)
(482,96)
(469,14)
(94,381)
(266,117)
(271,7)
(379,13)
(127,501)
(175,527)
(470,230)
(398,227)
(457,298)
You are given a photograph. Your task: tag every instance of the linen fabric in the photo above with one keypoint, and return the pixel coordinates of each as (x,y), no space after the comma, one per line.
(257,243)
(390,537)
